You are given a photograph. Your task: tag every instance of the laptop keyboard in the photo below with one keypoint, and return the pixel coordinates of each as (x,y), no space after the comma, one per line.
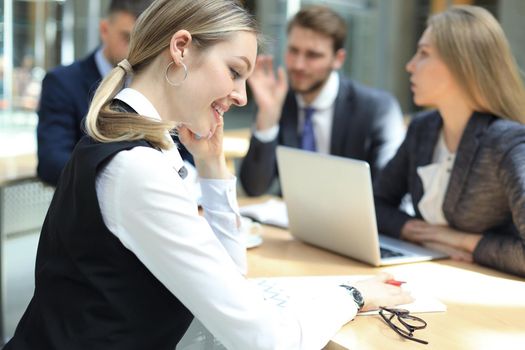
(387,253)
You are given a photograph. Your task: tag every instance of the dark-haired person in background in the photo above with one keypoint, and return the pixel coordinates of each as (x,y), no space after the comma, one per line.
(67,90)
(322,111)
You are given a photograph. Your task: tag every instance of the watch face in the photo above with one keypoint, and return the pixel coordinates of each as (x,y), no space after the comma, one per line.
(358,297)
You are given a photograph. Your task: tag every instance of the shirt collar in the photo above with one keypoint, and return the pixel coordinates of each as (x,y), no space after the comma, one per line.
(143,106)
(103,65)
(138,102)
(326,97)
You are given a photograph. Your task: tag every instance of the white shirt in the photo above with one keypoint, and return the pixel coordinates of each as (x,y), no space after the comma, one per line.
(322,118)
(435,178)
(103,65)
(202,259)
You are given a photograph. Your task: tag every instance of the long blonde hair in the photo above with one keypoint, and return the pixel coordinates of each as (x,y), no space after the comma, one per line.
(473,46)
(208,21)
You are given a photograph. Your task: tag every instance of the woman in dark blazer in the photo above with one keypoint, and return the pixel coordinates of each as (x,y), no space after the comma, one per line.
(464,163)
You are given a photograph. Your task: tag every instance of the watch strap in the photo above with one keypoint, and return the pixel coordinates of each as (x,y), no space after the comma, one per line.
(356,295)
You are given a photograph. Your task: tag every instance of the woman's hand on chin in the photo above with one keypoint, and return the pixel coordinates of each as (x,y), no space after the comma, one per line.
(207,151)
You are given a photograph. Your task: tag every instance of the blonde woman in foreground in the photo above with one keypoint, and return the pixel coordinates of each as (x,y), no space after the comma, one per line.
(125,261)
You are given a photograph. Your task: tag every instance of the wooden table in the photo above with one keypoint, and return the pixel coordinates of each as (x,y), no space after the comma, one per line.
(486,309)
(236,144)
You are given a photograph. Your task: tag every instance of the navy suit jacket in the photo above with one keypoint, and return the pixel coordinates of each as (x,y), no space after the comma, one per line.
(367,125)
(64,102)
(66,93)
(485,193)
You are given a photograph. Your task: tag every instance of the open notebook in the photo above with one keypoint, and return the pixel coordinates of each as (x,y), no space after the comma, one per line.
(279,291)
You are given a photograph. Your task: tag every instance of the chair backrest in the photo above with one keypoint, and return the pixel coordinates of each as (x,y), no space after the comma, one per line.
(23,206)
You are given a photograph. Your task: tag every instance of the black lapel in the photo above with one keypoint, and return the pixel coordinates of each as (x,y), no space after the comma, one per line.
(289,122)
(342,113)
(426,142)
(91,75)
(465,155)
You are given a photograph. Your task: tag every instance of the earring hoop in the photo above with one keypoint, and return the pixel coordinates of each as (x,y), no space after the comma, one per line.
(178,83)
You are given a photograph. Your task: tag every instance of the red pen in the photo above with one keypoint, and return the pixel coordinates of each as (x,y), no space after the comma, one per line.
(393,282)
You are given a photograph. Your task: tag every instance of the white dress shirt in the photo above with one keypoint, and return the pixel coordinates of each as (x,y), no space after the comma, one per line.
(435,178)
(103,65)
(322,118)
(202,259)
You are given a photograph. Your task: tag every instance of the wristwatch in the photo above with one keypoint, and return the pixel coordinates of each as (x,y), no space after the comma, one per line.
(356,295)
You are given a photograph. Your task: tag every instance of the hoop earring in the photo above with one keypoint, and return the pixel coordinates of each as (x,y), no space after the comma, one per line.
(178,83)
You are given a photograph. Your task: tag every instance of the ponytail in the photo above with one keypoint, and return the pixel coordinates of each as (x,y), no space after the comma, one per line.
(104,124)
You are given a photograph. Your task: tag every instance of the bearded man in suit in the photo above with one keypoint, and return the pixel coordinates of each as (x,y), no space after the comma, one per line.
(315,107)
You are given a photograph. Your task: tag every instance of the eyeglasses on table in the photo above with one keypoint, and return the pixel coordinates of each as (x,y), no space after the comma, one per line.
(403,323)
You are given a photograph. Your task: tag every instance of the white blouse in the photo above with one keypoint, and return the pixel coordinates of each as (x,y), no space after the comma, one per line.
(202,259)
(435,178)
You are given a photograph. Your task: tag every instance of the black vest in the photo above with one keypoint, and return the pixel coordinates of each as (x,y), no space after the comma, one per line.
(90,291)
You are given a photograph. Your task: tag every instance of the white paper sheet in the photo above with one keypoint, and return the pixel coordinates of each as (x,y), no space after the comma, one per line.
(272,212)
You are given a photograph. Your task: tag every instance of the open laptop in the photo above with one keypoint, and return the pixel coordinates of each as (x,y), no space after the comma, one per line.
(331,205)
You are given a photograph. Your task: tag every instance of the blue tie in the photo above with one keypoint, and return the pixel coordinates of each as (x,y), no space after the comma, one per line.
(308,140)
